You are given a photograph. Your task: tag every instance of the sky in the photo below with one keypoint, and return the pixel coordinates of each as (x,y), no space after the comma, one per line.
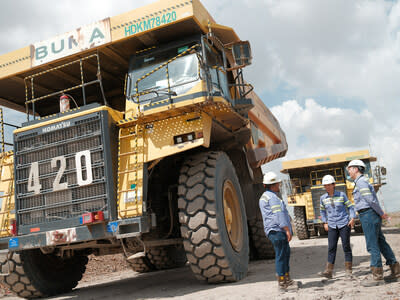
(328,70)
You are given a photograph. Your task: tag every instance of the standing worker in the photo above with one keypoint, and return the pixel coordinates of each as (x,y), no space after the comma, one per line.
(371,215)
(278,229)
(335,209)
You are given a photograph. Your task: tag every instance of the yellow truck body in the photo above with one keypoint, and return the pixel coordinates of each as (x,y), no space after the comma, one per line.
(141,137)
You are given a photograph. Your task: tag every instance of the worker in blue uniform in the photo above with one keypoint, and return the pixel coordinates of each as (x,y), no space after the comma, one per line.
(337,215)
(278,229)
(371,215)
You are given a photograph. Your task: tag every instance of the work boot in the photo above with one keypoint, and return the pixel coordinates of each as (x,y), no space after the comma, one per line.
(288,280)
(375,279)
(348,267)
(290,283)
(281,283)
(395,272)
(328,271)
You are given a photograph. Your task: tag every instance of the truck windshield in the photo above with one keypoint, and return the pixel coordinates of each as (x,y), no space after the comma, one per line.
(149,80)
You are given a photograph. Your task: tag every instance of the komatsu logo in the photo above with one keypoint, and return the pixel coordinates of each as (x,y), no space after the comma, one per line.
(56,127)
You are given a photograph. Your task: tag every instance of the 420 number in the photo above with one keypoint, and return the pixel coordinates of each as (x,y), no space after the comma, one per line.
(33,179)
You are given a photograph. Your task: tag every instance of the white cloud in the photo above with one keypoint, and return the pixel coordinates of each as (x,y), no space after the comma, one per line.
(344,49)
(386,142)
(317,128)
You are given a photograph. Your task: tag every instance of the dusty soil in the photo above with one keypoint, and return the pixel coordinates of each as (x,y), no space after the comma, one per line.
(109,277)
(394,220)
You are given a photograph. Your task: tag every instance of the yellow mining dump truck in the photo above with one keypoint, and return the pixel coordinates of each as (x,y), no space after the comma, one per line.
(141,137)
(306,186)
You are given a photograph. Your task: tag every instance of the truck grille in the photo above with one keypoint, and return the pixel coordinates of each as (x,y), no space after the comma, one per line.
(53,179)
(316,194)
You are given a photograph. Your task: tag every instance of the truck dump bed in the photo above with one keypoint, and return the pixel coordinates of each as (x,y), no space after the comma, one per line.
(114,40)
(324,161)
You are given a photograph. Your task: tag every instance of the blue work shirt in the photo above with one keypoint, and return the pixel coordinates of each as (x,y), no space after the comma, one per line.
(274,213)
(336,214)
(364,195)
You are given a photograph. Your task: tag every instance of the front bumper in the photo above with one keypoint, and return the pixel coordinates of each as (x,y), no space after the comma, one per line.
(90,232)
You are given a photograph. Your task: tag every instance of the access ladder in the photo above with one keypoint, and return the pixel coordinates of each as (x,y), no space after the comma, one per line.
(130,170)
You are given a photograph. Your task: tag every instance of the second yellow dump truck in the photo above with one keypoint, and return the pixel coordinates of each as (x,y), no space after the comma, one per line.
(141,137)
(306,186)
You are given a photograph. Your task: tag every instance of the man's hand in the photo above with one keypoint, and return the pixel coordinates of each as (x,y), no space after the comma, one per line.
(385,216)
(351,223)
(288,234)
(326,226)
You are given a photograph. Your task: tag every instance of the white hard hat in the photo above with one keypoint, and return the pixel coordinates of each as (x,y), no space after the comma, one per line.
(270,178)
(356,163)
(328,179)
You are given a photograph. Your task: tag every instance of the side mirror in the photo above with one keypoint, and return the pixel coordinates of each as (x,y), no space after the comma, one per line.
(383,171)
(127,85)
(241,52)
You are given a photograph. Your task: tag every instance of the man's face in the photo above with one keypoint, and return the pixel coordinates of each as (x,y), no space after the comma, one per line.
(329,188)
(352,172)
(275,187)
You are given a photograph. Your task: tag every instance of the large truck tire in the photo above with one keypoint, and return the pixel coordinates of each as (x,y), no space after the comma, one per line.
(141,264)
(159,258)
(167,257)
(322,231)
(261,246)
(358,229)
(313,232)
(300,222)
(33,274)
(213,218)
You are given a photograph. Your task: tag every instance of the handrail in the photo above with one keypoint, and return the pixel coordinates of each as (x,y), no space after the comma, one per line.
(29,81)
(3,143)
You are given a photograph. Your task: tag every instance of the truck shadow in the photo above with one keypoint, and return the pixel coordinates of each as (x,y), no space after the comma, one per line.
(307,259)
(390,230)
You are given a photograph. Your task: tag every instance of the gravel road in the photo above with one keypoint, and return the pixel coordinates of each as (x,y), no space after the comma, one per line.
(308,258)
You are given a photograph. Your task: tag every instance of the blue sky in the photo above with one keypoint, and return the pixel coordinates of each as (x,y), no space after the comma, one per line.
(328,70)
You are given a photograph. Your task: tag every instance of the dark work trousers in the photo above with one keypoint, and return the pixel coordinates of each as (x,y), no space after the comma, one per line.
(282,251)
(333,237)
(376,242)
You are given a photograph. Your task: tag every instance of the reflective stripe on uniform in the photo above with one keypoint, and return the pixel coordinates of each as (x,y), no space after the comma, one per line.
(275,208)
(348,203)
(335,199)
(338,199)
(264,198)
(365,192)
(327,200)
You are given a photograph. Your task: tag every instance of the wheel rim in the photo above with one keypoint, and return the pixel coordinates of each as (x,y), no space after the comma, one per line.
(232,216)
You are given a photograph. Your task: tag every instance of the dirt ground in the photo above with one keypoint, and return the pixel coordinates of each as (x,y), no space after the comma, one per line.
(109,277)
